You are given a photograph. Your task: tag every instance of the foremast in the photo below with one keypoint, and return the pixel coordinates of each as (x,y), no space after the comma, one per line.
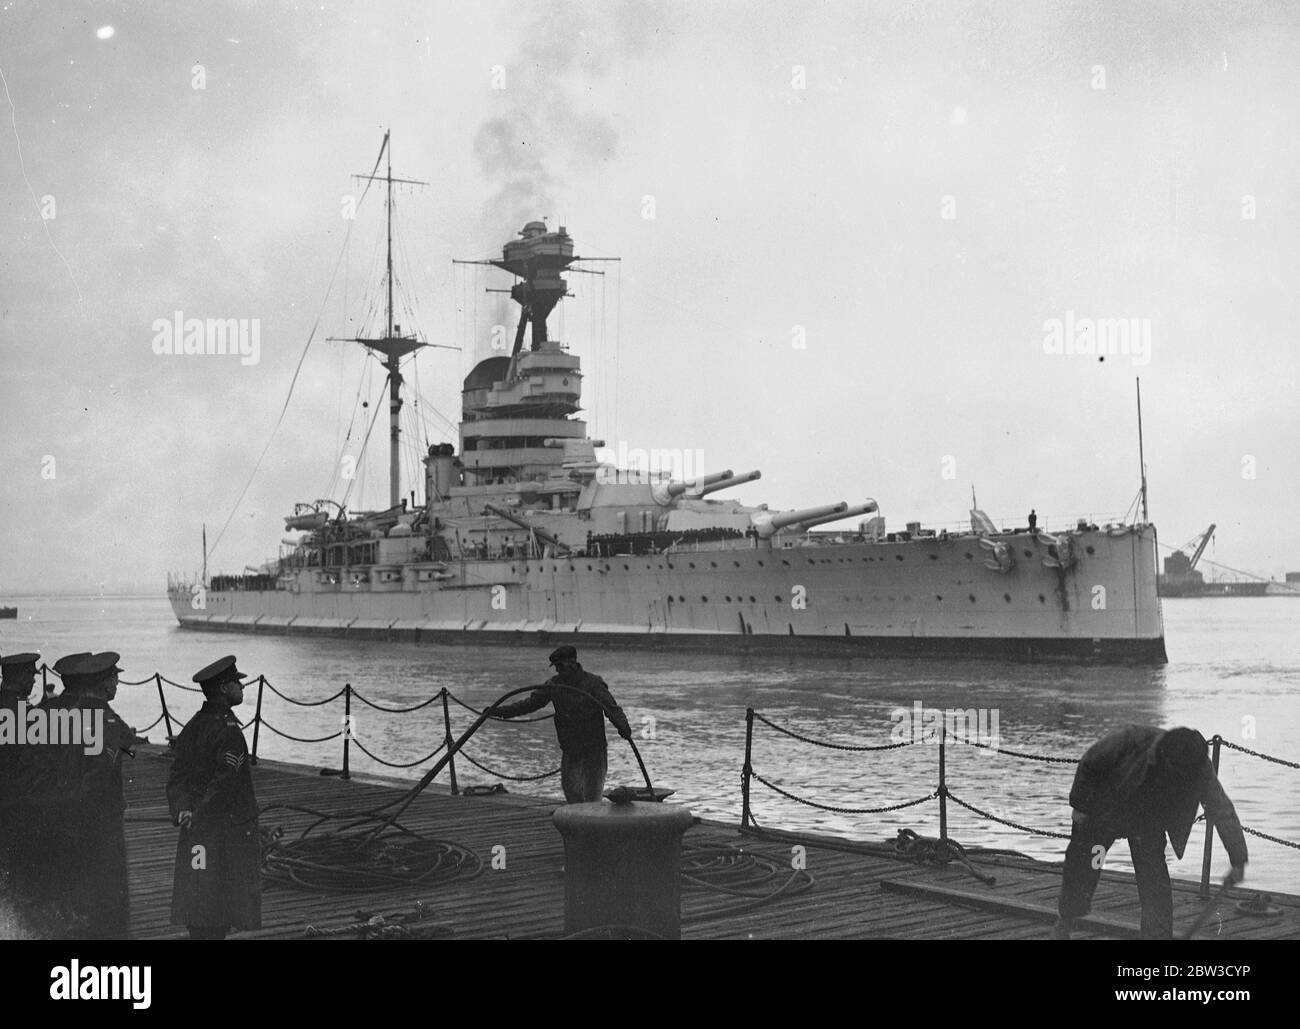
(393,345)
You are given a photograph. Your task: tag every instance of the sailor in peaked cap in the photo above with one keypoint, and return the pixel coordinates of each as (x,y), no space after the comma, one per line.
(211,798)
(66,669)
(17,674)
(220,672)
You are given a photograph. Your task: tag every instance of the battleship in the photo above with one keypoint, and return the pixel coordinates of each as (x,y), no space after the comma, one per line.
(527,533)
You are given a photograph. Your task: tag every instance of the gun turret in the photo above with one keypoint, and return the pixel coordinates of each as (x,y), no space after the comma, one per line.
(851,512)
(766,524)
(665,493)
(734,480)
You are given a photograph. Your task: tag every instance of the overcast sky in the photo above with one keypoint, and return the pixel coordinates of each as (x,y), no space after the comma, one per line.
(913,192)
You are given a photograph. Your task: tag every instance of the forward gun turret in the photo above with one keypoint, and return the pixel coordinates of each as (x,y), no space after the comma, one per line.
(665,493)
(767,524)
(734,480)
(851,512)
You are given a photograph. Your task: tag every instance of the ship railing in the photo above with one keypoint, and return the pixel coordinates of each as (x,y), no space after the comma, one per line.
(347,695)
(942,793)
(1045,523)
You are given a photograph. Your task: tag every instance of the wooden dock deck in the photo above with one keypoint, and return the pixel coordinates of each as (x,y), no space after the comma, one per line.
(860,891)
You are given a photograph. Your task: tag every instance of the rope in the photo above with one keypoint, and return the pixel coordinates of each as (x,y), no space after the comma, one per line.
(149,726)
(305,703)
(299,739)
(397,926)
(503,775)
(1256,753)
(735,872)
(391,764)
(395,710)
(1015,825)
(927,850)
(832,746)
(539,718)
(338,863)
(845,810)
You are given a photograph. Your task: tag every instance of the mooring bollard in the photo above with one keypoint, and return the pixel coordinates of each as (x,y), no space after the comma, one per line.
(622,866)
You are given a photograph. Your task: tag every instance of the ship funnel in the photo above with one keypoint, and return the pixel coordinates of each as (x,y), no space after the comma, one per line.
(665,492)
(766,525)
(734,480)
(851,512)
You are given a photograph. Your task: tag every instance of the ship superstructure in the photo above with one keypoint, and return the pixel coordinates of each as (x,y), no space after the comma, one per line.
(526,535)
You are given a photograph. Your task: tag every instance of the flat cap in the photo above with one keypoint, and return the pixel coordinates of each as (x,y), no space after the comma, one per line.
(564,653)
(218,673)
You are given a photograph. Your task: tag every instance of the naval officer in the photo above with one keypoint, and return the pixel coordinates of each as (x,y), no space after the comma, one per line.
(218,880)
(99,898)
(17,676)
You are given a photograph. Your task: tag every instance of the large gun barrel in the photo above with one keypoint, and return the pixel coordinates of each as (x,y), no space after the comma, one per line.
(524,523)
(732,480)
(766,524)
(665,492)
(851,512)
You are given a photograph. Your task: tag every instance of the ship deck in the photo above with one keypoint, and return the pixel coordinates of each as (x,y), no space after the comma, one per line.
(860,890)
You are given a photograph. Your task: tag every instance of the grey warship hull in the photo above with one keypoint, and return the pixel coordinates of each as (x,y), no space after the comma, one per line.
(917,598)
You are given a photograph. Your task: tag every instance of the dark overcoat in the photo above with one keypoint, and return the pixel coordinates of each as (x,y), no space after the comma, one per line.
(1118,788)
(580,712)
(218,879)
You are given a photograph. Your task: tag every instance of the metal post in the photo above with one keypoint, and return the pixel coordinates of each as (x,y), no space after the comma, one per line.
(747,770)
(1209,823)
(167,718)
(943,785)
(347,728)
(257,718)
(446,721)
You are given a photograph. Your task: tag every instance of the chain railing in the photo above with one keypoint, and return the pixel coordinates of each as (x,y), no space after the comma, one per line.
(348,693)
(942,793)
